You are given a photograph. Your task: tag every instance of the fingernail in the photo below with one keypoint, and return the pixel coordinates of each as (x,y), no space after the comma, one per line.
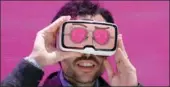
(119,48)
(68,17)
(120,35)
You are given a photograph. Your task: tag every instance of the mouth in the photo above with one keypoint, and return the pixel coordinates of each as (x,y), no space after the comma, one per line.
(86,65)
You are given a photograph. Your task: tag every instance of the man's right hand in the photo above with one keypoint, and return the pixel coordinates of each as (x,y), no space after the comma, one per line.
(44,51)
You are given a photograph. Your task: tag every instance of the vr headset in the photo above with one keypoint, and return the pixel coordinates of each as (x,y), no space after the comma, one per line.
(89,37)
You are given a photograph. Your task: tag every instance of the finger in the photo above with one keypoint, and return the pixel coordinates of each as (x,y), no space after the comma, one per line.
(39,41)
(121,44)
(109,69)
(123,62)
(56,24)
(118,59)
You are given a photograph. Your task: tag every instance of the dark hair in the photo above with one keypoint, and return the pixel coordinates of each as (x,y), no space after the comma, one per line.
(82,8)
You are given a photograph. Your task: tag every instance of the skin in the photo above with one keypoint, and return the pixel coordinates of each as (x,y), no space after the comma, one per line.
(76,76)
(45,53)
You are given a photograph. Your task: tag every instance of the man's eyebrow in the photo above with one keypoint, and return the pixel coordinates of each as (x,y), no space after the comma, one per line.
(96,27)
(79,24)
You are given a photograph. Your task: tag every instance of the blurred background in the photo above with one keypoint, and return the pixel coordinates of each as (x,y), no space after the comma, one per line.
(144,25)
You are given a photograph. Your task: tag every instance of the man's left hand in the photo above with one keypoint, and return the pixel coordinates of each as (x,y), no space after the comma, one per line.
(126,72)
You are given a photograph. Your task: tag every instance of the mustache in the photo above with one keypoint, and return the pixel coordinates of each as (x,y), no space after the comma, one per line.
(85,57)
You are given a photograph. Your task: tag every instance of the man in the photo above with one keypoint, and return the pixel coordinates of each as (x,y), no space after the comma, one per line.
(30,71)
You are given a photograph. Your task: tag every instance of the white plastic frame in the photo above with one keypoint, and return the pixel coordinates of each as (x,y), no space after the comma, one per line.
(87,50)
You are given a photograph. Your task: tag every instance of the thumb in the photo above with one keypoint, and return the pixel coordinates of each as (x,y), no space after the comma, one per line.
(109,69)
(56,24)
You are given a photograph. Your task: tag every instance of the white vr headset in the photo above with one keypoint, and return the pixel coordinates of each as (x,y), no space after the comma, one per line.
(89,37)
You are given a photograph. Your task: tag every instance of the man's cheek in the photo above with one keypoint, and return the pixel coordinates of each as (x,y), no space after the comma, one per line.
(101,60)
(67,63)
(101,67)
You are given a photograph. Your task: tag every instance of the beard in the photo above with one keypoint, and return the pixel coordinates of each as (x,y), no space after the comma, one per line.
(78,78)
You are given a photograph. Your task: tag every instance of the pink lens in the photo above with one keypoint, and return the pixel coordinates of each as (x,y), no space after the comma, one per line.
(101,36)
(78,35)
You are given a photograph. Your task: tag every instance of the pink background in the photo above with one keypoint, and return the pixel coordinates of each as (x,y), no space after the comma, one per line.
(144,25)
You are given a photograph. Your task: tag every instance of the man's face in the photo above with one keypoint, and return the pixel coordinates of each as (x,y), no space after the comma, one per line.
(87,68)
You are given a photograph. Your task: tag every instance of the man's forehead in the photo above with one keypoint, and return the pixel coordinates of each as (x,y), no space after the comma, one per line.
(97,17)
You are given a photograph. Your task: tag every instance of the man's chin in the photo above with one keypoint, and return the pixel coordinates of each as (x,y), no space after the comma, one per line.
(84,78)
(85,81)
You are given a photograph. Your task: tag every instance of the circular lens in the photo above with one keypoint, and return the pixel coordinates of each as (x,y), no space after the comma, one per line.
(101,36)
(78,35)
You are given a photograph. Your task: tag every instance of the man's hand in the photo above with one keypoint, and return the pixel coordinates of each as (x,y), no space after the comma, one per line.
(126,72)
(44,50)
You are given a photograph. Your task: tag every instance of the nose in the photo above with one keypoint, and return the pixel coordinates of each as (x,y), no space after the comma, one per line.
(90,38)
